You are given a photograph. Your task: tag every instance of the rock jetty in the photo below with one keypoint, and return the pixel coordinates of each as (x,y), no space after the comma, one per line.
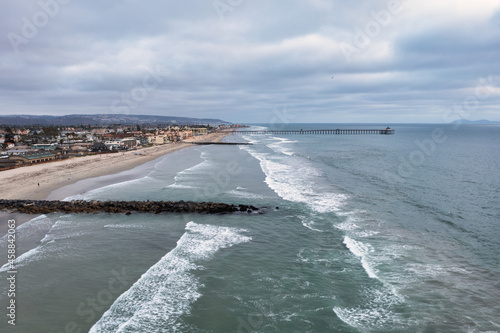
(157,207)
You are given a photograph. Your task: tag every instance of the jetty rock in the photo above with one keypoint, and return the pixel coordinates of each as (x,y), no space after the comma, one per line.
(126,207)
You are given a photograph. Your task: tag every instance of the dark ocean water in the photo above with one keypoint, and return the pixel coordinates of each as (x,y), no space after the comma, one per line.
(374,233)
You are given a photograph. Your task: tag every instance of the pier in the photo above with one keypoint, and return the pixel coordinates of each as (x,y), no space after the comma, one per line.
(220,143)
(386,131)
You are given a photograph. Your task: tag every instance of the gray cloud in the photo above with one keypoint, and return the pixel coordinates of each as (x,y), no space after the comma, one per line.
(171,58)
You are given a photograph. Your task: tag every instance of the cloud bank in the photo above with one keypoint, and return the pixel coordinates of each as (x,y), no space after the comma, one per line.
(245,61)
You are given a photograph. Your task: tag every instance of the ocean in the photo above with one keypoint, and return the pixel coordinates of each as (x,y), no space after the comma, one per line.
(359,233)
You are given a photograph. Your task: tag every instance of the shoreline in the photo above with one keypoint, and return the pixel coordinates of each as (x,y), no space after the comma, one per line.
(22,183)
(57,178)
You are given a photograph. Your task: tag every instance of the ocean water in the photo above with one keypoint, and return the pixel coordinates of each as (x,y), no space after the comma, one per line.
(360,233)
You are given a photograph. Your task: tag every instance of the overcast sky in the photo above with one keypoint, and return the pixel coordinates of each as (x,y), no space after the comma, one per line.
(253,61)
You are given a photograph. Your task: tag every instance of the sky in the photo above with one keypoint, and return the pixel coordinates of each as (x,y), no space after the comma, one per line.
(332,61)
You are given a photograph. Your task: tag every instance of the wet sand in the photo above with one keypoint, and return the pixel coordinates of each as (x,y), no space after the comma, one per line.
(39,181)
(22,183)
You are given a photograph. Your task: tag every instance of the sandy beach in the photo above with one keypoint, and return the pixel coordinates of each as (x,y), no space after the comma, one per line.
(38,181)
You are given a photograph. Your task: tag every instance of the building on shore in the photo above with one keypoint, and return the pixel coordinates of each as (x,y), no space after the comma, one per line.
(83,146)
(129,143)
(31,158)
(183,135)
(6,162)
(143,141)
(156,139)
(113,144)
(98,147)
(45,146)
(198,131)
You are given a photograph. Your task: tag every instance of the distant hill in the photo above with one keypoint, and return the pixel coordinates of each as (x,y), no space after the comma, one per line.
(476,122)
(103,120)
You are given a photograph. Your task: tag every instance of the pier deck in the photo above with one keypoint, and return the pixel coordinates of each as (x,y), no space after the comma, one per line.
(220,143)
(321,131)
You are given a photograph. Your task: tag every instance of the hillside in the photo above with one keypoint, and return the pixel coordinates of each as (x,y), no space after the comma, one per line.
(103,120)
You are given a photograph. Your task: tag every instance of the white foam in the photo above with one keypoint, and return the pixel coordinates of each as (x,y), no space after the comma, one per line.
(433,270)
(308,223)
(180,186)
(53,232)
(347,226)
(25,258)
(366,233)
(248,195)
(252,139)
(282,150)
(361,250)
(279,147)
(294,183)
(117,186)
(48,249)
(202,166)
(65,229)
(284,140)
(166,291)
(39,251)
(370,318)
(187,178)
(123,226)
(376,312)
(30,228)
(295,179)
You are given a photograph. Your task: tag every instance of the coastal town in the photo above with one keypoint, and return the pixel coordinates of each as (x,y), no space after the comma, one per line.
(40,144)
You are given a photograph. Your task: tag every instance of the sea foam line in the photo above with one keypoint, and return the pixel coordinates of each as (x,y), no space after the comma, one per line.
(294,179)
(41,223)
(92,194)
(30,228)
(187,178)
(361,250)
(166,291)
(50,245)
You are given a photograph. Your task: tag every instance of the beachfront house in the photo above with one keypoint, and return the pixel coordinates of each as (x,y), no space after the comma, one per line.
(6,162)
(198,131)
(158,139)
(81,146)
(113,144)
(47,146)
(98,147)
(142,140)
(129,143)
(34,157)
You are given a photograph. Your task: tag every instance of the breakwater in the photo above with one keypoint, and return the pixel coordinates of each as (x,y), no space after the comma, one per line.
(156,207)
